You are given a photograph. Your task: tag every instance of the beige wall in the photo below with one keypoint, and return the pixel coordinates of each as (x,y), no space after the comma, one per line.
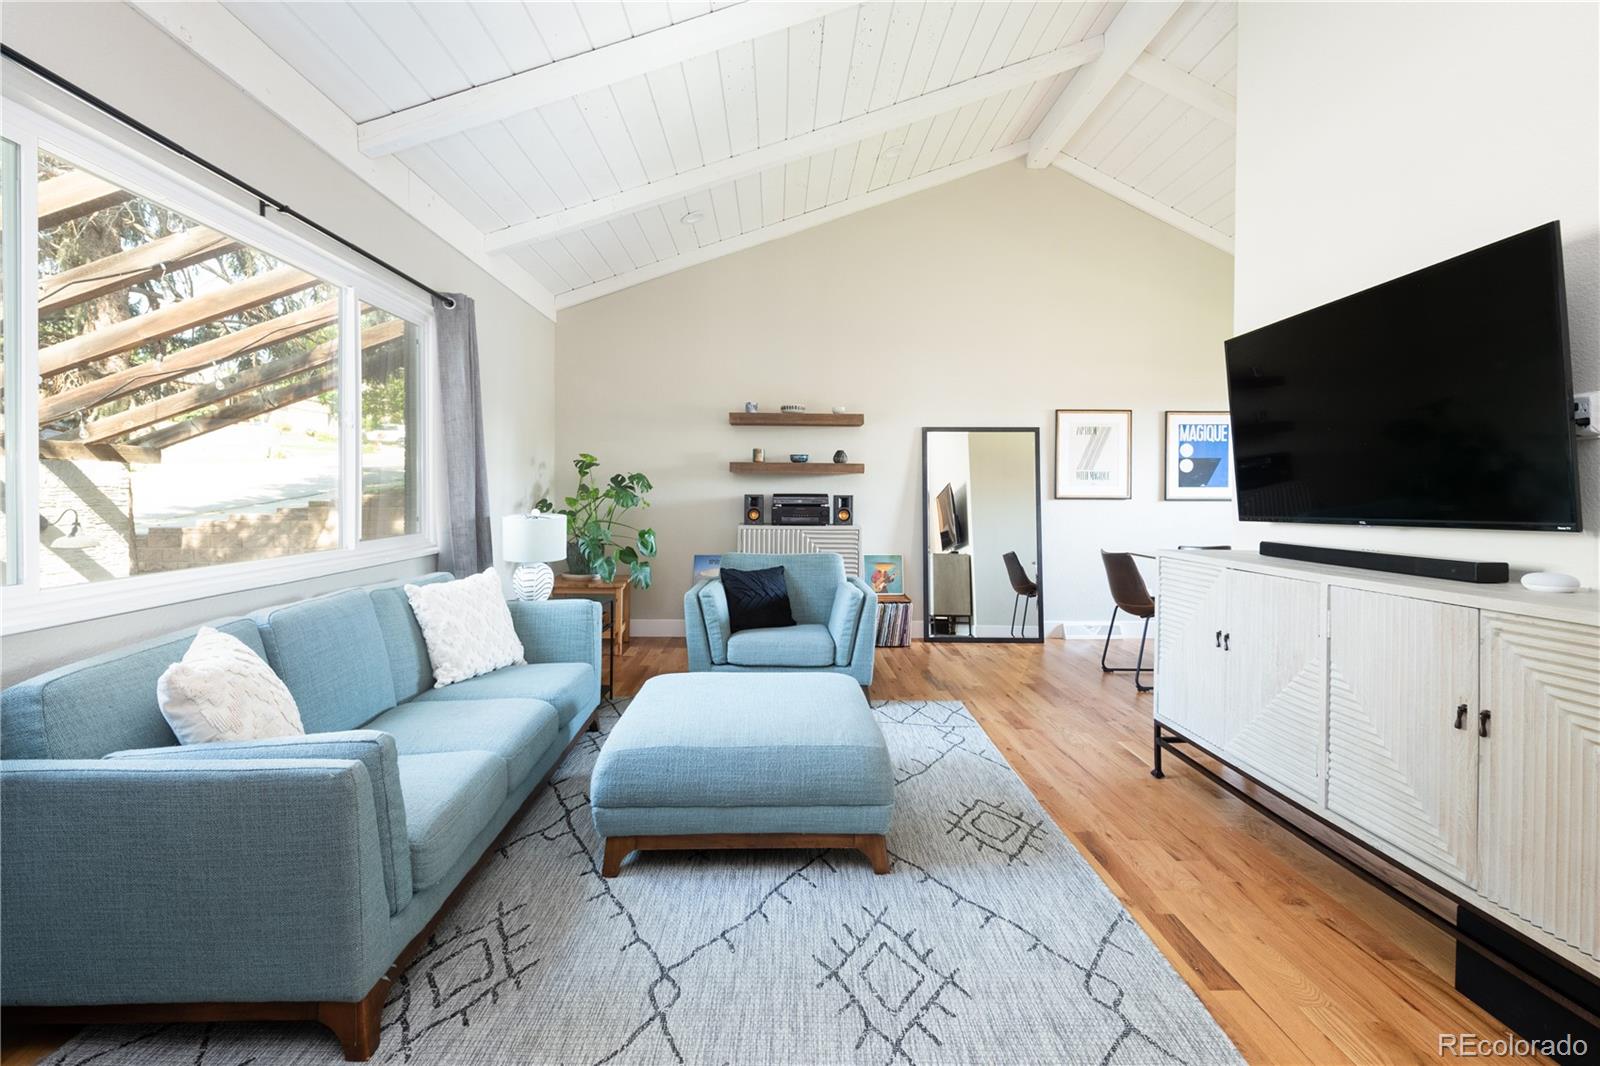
(986,302)
(1344,182)
(116,54)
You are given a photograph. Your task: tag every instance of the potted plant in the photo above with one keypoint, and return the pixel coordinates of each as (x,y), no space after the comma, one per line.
(594,514)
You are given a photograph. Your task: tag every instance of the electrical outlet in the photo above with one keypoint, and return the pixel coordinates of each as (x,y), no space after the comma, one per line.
(1585,406)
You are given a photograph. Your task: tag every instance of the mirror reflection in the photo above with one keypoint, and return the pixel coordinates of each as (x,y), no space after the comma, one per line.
(981,542)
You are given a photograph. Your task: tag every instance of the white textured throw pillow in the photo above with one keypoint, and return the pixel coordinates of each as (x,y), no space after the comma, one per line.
(221,690)
(466,625)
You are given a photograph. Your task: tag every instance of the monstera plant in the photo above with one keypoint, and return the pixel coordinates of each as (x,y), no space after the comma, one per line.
(598,538)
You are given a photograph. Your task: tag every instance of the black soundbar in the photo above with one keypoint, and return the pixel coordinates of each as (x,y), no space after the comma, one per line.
(1416,565)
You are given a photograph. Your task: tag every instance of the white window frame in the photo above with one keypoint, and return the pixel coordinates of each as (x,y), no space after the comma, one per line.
(31,121)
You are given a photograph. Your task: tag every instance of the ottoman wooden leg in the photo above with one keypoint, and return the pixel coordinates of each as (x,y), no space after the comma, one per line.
(617,849)
(876,849)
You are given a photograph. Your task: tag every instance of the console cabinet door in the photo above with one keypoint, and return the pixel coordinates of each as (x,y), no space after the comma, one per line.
(1398,767)
(1539,808)
(1191,667)
(1275,703)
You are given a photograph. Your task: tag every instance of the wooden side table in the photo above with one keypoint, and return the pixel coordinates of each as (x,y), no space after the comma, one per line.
(613,592)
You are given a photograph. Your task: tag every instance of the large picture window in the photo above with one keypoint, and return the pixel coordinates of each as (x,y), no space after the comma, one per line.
(204,396)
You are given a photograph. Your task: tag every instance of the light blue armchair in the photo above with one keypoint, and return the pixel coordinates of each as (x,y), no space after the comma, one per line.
(836,620)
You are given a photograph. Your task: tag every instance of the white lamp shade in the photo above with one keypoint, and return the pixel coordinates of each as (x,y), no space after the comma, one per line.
(534,538)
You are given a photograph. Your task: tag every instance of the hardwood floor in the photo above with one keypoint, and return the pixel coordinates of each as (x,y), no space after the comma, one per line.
(1298,959)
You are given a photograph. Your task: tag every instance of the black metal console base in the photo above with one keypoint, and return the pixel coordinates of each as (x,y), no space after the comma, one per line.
(1537,994)
(1572,1040)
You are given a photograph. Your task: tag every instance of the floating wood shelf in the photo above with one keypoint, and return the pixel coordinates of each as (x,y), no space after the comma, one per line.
(797,468)
(778,418)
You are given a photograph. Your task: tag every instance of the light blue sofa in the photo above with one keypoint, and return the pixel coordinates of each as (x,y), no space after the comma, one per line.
(836,620)
(274,879)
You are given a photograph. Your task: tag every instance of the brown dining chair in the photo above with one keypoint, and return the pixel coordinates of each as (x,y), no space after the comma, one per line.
(1128,593)
(1025,588)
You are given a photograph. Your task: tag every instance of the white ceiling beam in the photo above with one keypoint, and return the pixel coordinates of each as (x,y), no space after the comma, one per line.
(221,41)
(1133,197)
(779,153)
(1129,34)
(1184,87)
(566,78)
(790,226)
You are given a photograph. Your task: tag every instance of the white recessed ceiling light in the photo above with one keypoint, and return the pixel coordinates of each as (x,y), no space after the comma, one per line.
(692,217)
(893,150)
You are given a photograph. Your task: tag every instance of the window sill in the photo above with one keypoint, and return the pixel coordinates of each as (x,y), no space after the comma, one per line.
(27,610)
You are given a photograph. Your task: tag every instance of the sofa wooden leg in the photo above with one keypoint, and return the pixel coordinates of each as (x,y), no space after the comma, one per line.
(876,849)
(617,849)
(356,1024)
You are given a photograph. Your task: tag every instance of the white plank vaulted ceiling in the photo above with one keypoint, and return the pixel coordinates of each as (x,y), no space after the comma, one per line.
(598,145)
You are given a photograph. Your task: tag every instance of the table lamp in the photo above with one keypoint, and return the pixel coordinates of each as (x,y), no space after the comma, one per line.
(532,541)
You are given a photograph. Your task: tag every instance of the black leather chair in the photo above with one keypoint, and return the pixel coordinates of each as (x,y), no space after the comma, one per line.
(1128,593)
(1025,588)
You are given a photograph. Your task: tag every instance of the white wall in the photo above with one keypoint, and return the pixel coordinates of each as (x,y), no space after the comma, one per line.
(1374,139)
(112,51)
(990,301)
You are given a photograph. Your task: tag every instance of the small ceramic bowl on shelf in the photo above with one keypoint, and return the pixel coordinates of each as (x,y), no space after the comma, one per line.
(799,457)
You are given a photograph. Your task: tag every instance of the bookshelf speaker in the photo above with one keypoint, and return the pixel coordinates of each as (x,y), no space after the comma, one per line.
(844,510)
(753,507)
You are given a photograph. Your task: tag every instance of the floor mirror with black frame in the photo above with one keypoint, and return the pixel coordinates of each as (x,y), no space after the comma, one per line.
(982,534)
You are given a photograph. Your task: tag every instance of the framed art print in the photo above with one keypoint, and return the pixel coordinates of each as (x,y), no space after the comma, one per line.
(1094,455)
(885,573)
(1197,456)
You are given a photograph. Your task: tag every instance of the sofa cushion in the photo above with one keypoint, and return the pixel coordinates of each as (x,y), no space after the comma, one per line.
(467,626)
(809,645)
(330,652)
(402,637)
(449,798)
(518,731)
(812,580)
(757,599)
(96,706)
(568,687)
(223,690)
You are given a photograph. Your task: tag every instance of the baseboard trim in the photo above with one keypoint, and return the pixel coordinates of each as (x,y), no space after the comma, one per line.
(1123,630)
(1058,630)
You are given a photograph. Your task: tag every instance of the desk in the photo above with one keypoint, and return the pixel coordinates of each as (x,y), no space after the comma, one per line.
(613,592)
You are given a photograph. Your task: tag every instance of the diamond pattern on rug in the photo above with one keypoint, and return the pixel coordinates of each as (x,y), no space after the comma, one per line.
(991,941)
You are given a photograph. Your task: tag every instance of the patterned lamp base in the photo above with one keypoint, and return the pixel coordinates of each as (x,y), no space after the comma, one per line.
(533,581)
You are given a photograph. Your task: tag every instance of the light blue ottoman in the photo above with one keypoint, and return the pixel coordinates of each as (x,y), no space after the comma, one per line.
(715,760)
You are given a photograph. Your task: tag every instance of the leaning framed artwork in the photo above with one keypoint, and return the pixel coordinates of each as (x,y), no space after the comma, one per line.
(1094,455)
(1197,456)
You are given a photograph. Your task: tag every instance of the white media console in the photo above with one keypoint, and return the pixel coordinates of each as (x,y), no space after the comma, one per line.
(1452,728)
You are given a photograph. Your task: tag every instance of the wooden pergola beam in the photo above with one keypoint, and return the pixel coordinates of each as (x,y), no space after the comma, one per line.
(172,319)
(202,396)
(75,194)
(115,385)
(132,267)
(321,380)
(77,451)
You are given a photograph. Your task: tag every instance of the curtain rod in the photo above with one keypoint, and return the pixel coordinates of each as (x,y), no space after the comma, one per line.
(263,200)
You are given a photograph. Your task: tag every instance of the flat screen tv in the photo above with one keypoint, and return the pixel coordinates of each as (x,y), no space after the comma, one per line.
(1441,398)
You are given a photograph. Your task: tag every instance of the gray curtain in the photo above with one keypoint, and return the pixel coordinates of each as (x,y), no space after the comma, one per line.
(464,544)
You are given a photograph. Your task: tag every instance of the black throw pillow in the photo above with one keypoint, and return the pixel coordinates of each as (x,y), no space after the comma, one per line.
(757,599)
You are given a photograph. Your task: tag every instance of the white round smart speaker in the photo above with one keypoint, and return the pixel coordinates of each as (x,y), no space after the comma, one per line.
(1548,581)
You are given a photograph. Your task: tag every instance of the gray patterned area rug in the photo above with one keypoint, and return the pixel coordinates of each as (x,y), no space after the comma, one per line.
(991,941)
